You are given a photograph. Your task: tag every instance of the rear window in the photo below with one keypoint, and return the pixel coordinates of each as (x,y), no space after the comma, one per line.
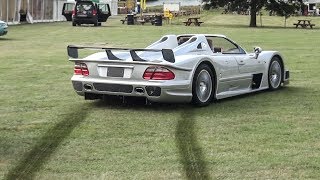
(84,7)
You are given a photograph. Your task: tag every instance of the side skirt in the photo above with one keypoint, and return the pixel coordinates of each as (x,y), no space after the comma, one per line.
(236,93)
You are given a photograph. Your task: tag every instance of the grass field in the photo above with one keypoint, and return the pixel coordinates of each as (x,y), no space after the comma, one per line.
(49,132)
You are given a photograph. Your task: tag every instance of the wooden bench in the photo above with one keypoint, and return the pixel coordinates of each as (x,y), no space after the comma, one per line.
(193,21)
(304,23)
(200,23)
(187,23)
(123,20)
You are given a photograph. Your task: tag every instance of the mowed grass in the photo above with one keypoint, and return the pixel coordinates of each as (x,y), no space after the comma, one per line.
(49,132)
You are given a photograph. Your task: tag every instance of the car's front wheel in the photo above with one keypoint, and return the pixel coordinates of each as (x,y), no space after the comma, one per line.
(275,74)
(202,86)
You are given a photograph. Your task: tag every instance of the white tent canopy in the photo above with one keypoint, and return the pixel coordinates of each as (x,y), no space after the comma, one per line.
(12,11)
(313,1)
(36,10)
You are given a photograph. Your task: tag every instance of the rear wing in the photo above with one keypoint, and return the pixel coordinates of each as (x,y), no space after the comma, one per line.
(167,54)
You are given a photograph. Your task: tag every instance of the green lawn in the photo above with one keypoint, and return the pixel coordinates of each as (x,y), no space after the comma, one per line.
(49,132)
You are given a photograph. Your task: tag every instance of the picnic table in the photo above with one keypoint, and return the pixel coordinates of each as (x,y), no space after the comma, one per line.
(304,23)
(140,19)
(193,20)
(124,20)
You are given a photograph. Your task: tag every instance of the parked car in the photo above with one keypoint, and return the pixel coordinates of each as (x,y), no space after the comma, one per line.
(3,28)
(86,12)
(185,68)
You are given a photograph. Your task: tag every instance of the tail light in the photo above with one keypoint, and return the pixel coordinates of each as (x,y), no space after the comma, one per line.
(73,12)
(81,69)
(158,73)
(94,12)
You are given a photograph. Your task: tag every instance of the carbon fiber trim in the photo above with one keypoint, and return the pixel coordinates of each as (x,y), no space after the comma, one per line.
(77,85)
(287,75)
(153,90)
(113,87)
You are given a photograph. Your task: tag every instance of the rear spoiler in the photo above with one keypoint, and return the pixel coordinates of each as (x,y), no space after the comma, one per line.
(167,54)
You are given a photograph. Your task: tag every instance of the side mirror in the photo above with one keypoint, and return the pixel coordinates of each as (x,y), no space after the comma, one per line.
(257,51)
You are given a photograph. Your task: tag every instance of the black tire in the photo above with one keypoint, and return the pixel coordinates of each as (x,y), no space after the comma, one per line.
(275,74)
(203,86)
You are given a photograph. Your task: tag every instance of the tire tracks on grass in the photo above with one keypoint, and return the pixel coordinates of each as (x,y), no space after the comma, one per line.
(191,155)
(34,160)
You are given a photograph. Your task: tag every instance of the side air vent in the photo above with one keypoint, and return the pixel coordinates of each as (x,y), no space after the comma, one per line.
(256,81)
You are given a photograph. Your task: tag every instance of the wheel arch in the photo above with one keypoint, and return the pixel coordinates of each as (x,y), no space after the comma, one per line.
(210,64)
(281,64)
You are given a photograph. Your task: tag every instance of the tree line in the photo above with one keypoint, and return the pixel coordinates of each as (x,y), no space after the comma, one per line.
(284,8)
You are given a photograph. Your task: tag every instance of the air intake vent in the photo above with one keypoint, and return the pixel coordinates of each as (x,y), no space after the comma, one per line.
(113,87)
(77,85)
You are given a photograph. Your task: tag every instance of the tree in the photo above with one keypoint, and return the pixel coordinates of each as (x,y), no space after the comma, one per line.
(240,5)
(254,6)
(285,9)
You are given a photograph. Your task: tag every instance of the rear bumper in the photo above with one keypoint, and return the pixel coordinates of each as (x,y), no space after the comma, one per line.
(156,91)
(85,20)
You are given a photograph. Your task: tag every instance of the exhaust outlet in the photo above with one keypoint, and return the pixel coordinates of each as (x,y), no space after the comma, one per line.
(139,90)
(87,87)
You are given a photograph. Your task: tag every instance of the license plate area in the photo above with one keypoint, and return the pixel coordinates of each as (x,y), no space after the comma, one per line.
(82,15)
(115,72)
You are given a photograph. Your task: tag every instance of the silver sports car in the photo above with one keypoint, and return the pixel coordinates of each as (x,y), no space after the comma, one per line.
(193,68)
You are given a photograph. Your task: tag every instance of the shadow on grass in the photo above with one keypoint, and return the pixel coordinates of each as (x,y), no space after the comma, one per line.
(190,152)
(6,39)
(266,92)
(191,155)
(46,146)
(92,26)
(258,26)
(136,104)
(114,102)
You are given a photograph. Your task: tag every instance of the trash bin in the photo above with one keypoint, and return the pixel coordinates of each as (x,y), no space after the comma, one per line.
(130,19)
(158,20)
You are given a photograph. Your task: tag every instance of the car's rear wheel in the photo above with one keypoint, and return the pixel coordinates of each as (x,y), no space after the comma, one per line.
(96,23)
(202,86)
(275,74)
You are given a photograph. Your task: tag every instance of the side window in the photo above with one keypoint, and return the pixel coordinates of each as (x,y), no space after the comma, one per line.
(103,8)
(183,39)
(222,45)
(69,7)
